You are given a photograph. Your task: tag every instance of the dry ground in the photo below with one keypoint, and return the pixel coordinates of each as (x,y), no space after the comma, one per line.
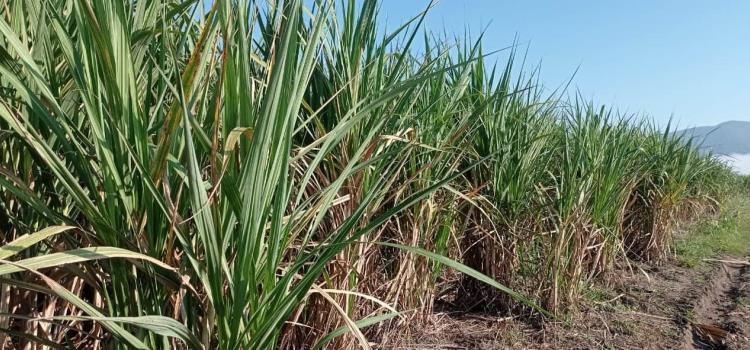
(653,307)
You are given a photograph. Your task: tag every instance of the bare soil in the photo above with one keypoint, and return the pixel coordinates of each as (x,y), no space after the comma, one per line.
(643,307)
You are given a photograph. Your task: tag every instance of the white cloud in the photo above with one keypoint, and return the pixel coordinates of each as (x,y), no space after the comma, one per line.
(740,162)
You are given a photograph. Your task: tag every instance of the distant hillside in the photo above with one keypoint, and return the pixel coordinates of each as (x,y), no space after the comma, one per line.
(727,138)
(731,140)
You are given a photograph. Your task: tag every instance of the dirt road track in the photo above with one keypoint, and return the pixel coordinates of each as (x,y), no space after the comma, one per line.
(716,313)
(649,307)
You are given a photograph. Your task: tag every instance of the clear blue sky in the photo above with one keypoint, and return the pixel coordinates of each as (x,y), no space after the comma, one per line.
(689,58)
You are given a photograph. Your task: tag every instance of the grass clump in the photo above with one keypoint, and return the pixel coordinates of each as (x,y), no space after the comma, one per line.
(726,234)
(745,182)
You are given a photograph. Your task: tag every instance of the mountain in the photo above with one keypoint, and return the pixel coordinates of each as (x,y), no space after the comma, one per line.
(728,138)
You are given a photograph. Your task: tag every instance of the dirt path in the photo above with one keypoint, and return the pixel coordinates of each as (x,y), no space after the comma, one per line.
(717,315)
(665,307)
(652,307)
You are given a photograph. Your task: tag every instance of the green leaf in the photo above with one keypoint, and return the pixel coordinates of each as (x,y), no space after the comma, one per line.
(26,241)
(76,256)
(467,271)
(160,325)
(365,322)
